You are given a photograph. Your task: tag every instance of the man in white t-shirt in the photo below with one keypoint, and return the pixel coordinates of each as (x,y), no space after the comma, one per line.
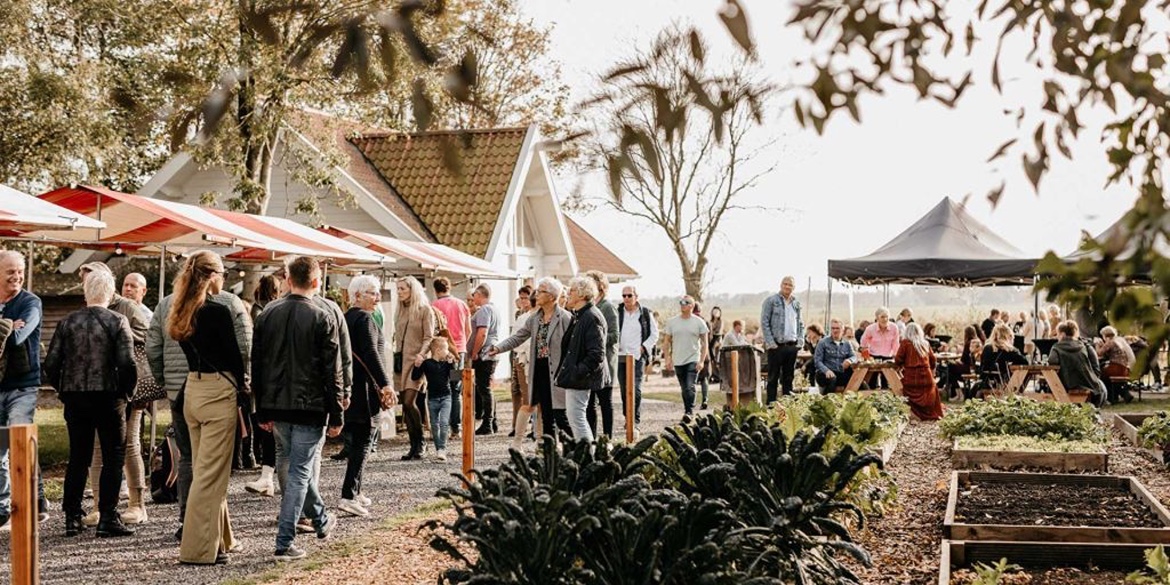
(688,348)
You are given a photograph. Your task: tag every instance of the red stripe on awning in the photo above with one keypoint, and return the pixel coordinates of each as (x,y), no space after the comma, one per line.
(264,228)
(157,231)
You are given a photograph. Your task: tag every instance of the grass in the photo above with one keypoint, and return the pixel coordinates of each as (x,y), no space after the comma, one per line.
(54,437)
(341,548)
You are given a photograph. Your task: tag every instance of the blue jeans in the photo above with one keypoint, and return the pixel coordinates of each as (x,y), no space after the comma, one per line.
(298,449)
(576,403)
(439,407)
(686,380)
(17,407)
(637,386)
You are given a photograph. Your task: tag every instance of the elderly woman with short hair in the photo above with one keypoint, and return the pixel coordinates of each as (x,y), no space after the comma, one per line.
(544,330)
(91,364)
(583,366)
(1117,358)
(371,388)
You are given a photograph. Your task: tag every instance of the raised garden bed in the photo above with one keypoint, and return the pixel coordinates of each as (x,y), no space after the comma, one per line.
(976,457)
(1049,563)
(886,449)
(1053,508)
(1127,424)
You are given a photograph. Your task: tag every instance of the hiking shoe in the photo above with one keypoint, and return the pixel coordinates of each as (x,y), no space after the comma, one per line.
(264,488)
(363,500)
(703,406)
(291,553)
(353,508)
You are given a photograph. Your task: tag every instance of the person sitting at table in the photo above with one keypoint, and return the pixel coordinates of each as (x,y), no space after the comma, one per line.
(956,370)
(1079,368)
(1116,357)
(860,331)
(905,317)
(833,359)
(1032,330)
(1139,344)
(999,355)
(917,363)
(812,336)
(881,338)
(848,337)
(736,337)
(929,331)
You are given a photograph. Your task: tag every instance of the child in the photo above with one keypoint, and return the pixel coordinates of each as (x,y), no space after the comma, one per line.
(438,369)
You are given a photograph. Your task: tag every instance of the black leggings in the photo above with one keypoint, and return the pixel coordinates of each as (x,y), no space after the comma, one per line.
(86,412)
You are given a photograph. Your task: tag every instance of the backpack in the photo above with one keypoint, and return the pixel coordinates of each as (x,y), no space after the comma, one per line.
(164,474)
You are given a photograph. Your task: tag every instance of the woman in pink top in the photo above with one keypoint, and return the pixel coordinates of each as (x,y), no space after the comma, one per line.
(881,337)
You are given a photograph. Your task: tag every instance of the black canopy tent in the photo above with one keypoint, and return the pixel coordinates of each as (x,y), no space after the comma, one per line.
(945,247)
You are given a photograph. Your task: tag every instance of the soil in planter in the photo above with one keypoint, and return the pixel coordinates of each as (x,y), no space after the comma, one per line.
(1052,505)
(1055,576)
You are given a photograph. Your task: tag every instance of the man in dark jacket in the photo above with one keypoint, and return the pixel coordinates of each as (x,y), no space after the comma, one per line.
(1079,367)
(583,367)
(296,378)
(22,375)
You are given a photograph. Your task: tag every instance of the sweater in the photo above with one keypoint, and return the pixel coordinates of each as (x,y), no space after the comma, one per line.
(26,307)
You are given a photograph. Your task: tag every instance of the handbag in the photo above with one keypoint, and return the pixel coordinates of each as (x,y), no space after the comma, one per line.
(147,390)
(397,362)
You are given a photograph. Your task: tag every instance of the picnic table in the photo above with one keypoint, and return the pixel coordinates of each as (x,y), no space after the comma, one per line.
(1021,374)
(946,356)
(863,370)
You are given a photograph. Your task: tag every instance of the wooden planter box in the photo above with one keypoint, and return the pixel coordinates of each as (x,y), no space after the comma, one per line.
(975,459)
(1053,534)
(1127,424)
(887,448)
(957,554)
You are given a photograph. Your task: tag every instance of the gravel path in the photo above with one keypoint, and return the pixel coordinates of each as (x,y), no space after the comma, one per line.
(151,555)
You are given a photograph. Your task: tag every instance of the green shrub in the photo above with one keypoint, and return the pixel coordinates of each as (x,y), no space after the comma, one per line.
(1154,433)
(1053,421)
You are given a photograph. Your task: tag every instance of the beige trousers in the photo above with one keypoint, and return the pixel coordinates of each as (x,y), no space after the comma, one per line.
(134,468)
(209,404)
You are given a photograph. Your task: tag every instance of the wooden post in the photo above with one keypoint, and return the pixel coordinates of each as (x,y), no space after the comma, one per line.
(22,463)
(468,423)
(734,379)
(630,399)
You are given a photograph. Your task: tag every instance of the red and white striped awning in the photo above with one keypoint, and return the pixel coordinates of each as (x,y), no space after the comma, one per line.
(424,255)
(146,225)
(21,213)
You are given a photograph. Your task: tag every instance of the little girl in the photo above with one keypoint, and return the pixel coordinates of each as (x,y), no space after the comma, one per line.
(438,369)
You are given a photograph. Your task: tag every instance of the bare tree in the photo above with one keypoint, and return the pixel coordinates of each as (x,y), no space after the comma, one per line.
(683,170)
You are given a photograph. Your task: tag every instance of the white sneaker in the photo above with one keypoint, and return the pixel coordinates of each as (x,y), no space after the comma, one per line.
(352,507)
(264,488)
(363,500)
(91,519)
(441,455)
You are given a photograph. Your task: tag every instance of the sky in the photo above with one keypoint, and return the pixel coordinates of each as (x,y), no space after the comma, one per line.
(845,193)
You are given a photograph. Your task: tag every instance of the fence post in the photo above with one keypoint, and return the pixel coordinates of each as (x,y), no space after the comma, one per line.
(734,379)
(22,463)
(630,399)
(468,423)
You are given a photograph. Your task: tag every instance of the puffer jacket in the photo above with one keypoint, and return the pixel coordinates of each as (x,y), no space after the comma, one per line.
(92,351)
(296,364)
(168,364)
(1079,367)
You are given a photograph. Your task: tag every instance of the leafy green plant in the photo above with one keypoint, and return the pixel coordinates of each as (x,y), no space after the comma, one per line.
(789,503)
(1154,432)
(1034,444)
(993,574)
(1157,563)
(1054,421)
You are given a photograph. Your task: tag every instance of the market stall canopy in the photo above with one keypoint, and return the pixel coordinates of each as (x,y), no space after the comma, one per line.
(141,224)
(424,255)
(1122,241)
(21,213)
(946,246)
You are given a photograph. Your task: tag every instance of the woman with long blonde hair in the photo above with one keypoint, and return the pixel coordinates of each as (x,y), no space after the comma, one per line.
(999,355)
(414,328)
(917,362)
(205,330)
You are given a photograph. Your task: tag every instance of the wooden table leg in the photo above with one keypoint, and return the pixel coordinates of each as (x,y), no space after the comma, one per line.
(895,381)
(859,374)
(1056,386)
(1016,383)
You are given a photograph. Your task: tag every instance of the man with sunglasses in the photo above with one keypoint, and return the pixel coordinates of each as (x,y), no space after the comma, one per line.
(638,334)
(688,348)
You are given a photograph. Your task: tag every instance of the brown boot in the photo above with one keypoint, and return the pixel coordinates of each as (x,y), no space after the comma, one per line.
(136,512)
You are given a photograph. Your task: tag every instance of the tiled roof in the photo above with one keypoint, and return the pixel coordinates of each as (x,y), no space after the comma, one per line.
(461,210)
(322,129)
(593,255)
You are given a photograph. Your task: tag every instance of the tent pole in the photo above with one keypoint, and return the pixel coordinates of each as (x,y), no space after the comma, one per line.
(162,284)
(829,306)
(32,261)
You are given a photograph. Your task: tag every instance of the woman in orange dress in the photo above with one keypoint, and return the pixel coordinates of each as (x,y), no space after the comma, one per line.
(917,363)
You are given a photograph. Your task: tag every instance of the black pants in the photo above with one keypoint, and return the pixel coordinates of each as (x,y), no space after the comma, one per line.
(86,412)
(183,442)
(829,385)
(264,444)
(604,397)
(540,394)
(781,369)
(357,434)
(484,403)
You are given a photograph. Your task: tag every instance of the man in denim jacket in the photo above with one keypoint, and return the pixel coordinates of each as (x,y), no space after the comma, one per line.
(782,327)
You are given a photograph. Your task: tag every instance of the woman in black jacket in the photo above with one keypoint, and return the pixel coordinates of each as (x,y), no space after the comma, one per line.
(91,364)
(582,369)
(371,386)
(206,333)
(998,357)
